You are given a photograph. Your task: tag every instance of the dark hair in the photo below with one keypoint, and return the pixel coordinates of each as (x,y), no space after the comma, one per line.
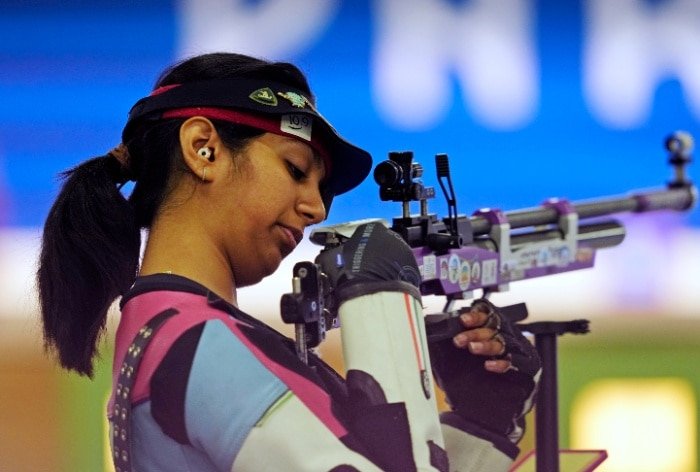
(92,235)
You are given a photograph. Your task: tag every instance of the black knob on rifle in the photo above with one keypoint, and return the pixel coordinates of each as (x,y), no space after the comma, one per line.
(305,303)
(398,170)
(680,146)
(388,173)
(291,308)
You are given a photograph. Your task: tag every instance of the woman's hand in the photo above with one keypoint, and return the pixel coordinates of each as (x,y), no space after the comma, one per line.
(482,336)
(489,371)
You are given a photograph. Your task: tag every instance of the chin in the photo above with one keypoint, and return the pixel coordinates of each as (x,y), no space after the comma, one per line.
(253,277)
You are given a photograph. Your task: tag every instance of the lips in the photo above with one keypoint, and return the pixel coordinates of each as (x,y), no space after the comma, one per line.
(293,236)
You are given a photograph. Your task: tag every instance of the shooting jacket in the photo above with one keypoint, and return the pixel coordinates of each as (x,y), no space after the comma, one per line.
(218,390)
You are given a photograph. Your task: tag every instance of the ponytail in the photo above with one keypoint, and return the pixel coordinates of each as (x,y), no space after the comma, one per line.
(89,257)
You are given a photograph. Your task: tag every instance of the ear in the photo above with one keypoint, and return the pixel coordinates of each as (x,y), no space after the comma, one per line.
(197,133)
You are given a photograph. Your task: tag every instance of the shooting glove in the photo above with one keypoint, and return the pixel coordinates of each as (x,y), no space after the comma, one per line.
(496,402)
(374,259)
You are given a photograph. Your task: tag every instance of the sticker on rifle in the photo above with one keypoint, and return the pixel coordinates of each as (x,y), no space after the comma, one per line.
(489,273)
(584,255)
(444,270)
(543,259)
(465,275)
(564,257)
(454,269)
(429,267)
(476,273)
(552,256)
(298,125)
(532,257)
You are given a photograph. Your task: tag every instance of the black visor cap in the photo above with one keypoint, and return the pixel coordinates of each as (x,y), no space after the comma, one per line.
(350,164)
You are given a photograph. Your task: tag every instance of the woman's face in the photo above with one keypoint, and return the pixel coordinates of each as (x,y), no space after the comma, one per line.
(262,209)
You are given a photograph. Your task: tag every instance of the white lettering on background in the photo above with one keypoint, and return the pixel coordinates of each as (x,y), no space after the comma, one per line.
(488,45)
(421,48)
(629,47)
(271,29)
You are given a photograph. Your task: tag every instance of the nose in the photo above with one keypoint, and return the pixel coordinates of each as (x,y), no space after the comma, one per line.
(311,206)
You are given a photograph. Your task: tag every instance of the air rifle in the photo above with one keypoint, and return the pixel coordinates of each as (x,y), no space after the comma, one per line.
(458,254)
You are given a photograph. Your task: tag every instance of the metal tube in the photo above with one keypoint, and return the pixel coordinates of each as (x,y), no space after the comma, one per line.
(595,235)
(669,199)
(546,412)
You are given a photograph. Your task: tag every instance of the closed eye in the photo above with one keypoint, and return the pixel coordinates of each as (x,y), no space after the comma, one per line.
(296,173)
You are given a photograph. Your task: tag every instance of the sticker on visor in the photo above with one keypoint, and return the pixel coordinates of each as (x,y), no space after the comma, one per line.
(298,125)
(295,99)
(265,96)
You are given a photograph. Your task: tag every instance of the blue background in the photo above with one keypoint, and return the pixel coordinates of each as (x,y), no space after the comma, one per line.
(70,71)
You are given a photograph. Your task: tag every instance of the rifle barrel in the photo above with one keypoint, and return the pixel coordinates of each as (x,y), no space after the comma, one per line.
(679,199)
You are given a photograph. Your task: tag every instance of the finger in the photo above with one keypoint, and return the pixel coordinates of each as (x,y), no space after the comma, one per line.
(473,319)
(498,366)
(481,306)
(486,348)
(476,334)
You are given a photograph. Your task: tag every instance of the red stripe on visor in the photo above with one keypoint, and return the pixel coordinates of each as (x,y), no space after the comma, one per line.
(162,89)
(298,126)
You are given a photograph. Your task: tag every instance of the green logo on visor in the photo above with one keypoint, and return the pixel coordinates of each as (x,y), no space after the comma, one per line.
(295,99)
(264,96)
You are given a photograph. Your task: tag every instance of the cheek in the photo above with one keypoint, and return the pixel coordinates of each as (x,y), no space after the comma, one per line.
(255,214)
(264,203)
(247,199)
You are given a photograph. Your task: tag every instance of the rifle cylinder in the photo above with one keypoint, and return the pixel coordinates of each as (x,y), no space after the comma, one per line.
(670,199)
(594,235)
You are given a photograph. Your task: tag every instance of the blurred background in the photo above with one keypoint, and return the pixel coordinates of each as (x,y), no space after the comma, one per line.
(530,100)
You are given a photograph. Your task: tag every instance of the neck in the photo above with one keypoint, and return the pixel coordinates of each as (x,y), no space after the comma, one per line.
(181,250)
